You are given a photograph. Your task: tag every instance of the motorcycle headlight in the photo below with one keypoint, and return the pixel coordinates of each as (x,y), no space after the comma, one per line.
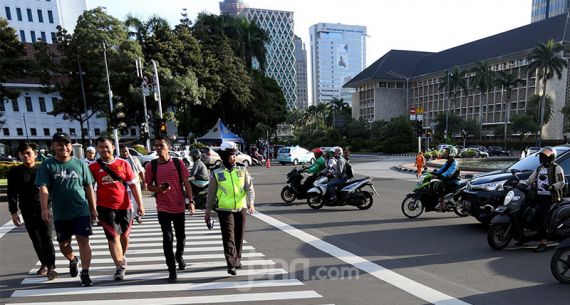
(509,197)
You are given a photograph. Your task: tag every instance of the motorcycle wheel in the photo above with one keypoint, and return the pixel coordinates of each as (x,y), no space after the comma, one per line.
(315,202)
(288,195)
(458,208)
(560,265)
(366,199)
(412,207)
(498,237)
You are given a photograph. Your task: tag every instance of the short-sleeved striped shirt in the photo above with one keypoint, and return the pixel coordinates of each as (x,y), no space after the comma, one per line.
(173,200)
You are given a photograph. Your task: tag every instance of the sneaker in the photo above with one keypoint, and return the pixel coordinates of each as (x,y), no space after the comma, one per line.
(51,274)
(181,263)
(232,271)
(124,262)
(73,271)
(120,274)
(42,271)
(85,279)
(541,248)
(172,278)
(138,219)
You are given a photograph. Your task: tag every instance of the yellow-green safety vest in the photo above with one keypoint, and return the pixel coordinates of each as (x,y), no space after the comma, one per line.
(231,192)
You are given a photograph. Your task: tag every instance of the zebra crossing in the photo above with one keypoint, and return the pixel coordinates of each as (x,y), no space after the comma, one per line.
(205,279)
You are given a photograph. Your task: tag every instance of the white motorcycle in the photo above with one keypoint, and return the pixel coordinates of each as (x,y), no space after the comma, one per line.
(348,193)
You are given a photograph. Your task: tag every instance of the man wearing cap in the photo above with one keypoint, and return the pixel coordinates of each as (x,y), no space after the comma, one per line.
(232,195)
(90,155)
(67,181)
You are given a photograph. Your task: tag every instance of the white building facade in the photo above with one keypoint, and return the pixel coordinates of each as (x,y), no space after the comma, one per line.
(301,69)
(338,53)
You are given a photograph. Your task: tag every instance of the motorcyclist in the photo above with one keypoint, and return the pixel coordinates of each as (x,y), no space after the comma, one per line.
(337,174)
(549,182)
(199,173)
(314,169)
(448,175)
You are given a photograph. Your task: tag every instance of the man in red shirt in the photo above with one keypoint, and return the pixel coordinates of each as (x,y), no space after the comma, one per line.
(113,176)
(166,180)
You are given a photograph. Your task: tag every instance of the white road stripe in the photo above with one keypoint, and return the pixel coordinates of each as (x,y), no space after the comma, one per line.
(98,230)
(412,287)
(162,267)
(5,228)
(160,251)
(145,241)
(159,233)
(43,292)
(207,299)
(158,276)
(102,240)
(146,245)
(158,258)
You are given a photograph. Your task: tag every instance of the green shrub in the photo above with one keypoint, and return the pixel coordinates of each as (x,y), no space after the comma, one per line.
(140,149)
(197,146)
(470,153)
(6,166)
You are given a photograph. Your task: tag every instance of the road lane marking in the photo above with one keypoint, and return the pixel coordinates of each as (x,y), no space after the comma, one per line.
(43,292)
(158,276)
(412,287)
(7,227)
(207,299)
(160,251)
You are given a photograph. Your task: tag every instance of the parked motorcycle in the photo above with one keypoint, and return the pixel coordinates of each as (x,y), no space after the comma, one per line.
(424,198)
(348,193)
(560,262)
(516,220)
(294,189)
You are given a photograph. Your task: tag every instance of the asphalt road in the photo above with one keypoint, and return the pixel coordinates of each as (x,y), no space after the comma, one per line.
(438,254)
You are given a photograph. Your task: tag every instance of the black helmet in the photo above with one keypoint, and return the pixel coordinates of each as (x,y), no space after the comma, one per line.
(547,155)
(195,154)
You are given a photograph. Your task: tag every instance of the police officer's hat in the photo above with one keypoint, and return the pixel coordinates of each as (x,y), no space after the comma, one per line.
(228,147)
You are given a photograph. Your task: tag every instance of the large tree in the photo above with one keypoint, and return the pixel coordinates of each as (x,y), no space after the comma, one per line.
(454,83)
(484,81)
(547,62)
(508,82)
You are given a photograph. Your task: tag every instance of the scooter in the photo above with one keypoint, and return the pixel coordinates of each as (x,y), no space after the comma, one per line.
(516,220)
(560,262)
(294,189)
(348,193)
(424,198)
(200,192)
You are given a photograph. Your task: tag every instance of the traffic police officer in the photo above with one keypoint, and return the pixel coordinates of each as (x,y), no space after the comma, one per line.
(231,194)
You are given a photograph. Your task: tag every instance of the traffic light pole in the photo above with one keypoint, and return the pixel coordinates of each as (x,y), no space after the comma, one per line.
(141,75)
(115,132)
(157,92)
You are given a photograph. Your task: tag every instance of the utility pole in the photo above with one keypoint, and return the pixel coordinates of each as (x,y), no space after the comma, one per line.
(84,102)
(144,84)
(157,89)
(448,106)
(115,132)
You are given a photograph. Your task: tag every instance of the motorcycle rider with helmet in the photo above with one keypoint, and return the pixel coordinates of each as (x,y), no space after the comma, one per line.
(549,182)
(199,173)
(337,174)
(449,175)
(315,169)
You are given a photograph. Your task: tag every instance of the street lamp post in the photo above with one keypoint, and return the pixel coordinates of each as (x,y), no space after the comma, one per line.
(115,132)
(448,105)
(84,102)
(139,66)
(157,92)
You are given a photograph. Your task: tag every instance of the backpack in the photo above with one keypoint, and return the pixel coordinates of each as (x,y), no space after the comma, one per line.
(348,169)
(154,167)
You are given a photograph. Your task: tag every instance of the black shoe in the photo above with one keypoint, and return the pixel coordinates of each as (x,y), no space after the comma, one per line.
(238,266)
(181,263)
(172,278)
(73,271)
(85,279)
(232,271)
(541,248)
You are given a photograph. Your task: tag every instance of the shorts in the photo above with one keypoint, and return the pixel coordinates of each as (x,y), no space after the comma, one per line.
(115,222)
(66,228)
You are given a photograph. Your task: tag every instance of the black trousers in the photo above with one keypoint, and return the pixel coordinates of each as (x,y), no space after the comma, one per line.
(233,227)
(166,220)
(543,205)
(41,235)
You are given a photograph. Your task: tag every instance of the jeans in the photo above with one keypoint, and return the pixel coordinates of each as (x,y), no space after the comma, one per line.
(331,186)
(165,220)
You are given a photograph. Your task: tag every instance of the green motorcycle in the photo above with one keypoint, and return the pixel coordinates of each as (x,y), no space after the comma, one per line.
(424,198)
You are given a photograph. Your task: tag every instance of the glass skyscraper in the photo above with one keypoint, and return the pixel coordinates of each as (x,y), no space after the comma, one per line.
(542,9)
(338,53)
(301,69)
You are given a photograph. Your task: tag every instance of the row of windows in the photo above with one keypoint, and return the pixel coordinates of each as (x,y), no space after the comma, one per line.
(30,16)
(72,131)
(29,104)
(33,37)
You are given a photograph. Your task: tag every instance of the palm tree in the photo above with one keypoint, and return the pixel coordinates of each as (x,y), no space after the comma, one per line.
(453,82)
(546,60)
(508,81)
(484,80)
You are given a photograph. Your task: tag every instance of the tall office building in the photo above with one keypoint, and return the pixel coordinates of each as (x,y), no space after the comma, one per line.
(338,53)
(301,69)
(542,9)
(232,7)
(38,19)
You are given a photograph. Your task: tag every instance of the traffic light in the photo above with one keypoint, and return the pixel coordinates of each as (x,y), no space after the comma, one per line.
(161,129)
(117,119)
(428,133)
(419,129)
(144,131)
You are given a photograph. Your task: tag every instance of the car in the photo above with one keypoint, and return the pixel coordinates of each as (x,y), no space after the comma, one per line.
(486,189)
(144,159)
(497,151)
(440,147)
(211,157)
(478,147)
(295,155)
(475,152)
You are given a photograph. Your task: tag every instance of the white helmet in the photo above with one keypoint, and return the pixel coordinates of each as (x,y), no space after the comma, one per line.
(228,146)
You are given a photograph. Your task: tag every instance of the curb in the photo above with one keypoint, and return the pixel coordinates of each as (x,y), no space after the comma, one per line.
(411,171)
